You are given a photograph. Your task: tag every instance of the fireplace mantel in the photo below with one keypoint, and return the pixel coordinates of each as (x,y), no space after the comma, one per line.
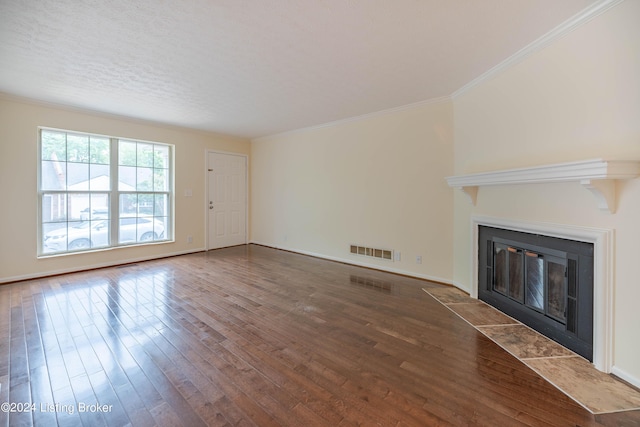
(598,176)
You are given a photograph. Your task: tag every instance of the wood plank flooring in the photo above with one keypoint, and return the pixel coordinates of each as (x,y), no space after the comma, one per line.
(253,336)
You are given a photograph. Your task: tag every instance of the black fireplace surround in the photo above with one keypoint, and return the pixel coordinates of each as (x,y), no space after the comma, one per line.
(544,282)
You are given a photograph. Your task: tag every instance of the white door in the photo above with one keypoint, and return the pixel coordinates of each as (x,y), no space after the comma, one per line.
(227,204)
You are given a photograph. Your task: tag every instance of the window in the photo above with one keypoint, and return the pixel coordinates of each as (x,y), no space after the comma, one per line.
(97,192)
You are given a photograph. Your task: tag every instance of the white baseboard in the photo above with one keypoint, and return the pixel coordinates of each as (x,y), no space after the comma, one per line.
(358,263)
(151,257)
(625,376)
(462,287)
(95,266)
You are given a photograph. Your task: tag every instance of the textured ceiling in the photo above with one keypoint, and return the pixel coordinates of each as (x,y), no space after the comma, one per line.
(257,67)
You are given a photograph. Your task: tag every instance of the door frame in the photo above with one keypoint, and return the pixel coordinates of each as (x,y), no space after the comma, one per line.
(206,194)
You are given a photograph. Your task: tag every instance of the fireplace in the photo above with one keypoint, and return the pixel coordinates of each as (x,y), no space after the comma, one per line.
(603,281)
(601,178)
(545,282)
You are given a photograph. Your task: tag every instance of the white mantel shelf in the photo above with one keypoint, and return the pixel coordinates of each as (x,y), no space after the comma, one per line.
(598,176)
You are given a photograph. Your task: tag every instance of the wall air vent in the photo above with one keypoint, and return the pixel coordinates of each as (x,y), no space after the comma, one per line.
(372,252)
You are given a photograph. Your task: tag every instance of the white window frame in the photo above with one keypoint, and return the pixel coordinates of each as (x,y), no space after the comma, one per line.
(113,193)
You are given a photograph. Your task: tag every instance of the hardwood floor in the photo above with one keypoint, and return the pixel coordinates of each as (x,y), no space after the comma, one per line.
(255,336)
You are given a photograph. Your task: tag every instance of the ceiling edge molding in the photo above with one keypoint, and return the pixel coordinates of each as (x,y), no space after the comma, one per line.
(113,116)
(358,118)
(560,31)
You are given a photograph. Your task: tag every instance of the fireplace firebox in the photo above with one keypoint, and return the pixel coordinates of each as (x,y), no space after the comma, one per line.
(544,282)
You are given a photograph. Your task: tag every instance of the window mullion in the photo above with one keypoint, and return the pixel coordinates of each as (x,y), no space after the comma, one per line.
(114,196)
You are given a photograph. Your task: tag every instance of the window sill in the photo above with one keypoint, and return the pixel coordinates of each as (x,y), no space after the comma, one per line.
(104,249)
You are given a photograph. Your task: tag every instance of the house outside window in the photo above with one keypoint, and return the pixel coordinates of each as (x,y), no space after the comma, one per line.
(99,192)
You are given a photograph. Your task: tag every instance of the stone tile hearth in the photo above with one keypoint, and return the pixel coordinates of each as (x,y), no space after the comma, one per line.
(573,375)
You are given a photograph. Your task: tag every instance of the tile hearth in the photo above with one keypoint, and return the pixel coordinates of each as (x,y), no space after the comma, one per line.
(573,375)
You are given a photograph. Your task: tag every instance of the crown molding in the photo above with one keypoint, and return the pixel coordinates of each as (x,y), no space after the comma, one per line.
(598,176)
(414,105)
(4,96)
(558,32)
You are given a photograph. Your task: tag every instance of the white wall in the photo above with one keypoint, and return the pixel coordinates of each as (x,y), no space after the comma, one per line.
(376,181)
(19,121)
(577,99)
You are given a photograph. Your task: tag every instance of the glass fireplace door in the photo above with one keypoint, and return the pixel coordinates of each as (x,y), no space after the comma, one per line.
(535,279)
(542,281)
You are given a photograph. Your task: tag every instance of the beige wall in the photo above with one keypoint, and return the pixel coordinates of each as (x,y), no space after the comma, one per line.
(376,181)
(19,121)
(577,99)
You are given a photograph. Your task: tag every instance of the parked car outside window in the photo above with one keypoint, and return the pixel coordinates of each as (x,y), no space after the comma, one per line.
(95,234)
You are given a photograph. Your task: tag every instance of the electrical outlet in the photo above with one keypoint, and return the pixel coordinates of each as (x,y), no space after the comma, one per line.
(396,256)
(418,259)
(189,239)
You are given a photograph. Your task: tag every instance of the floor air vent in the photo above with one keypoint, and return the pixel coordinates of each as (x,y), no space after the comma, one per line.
(372,252)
